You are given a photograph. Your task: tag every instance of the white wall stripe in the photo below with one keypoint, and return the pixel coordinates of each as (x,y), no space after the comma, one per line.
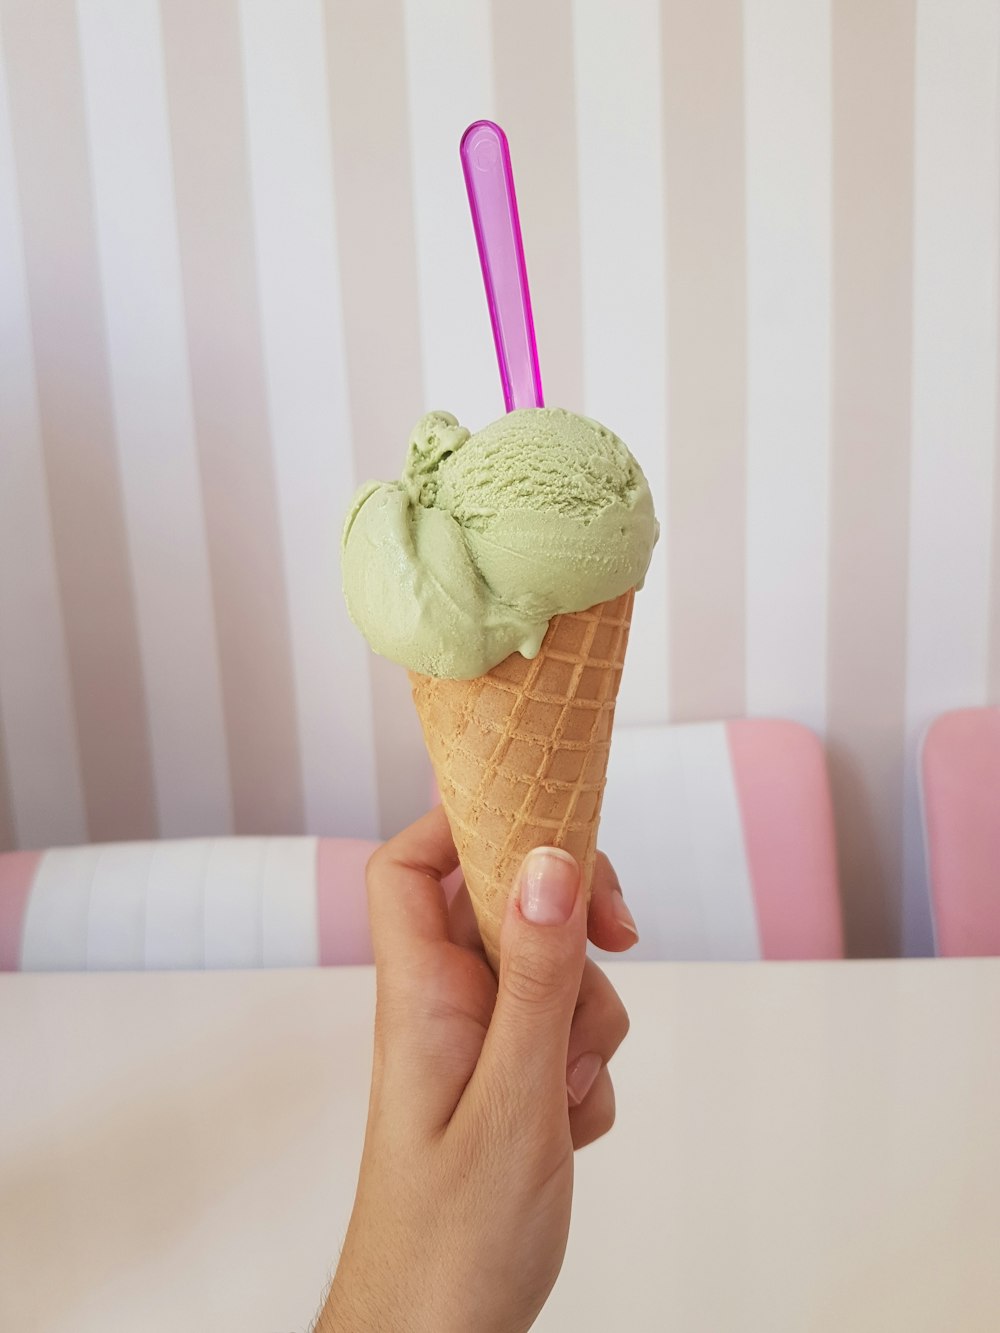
(134,206)
(446,95)
(299,283)
(621,187)
(36,711)
(955,353)
(787,69)
(671,824)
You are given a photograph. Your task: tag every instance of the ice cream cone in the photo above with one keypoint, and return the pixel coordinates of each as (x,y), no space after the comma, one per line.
(520,754)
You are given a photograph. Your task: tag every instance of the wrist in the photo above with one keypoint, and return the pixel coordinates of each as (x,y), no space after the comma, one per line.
(355,1306)
(343,1314)
(358,1302)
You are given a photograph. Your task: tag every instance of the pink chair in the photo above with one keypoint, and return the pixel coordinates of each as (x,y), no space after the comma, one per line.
(722,834)
(190,903)
(960,788)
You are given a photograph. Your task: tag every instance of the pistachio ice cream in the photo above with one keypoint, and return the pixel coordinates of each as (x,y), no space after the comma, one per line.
(487,536)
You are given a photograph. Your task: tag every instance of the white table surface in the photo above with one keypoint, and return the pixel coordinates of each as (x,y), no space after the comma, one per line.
(800,1148)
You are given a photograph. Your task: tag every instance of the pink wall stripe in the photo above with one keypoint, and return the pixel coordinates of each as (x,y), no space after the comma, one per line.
(17,875)
(993,674)
(459,369)
(92,561)
(8,833)
(533,76)
(341,901)
(373,190)
(781,784)
(705,524)
(873,90)
(993,665)
(39,738)
(202,50)
(378,263)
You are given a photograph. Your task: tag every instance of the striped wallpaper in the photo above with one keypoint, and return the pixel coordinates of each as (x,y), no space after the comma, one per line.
(236,265)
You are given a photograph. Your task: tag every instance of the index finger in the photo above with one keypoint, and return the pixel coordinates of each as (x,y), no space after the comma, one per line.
(407,906)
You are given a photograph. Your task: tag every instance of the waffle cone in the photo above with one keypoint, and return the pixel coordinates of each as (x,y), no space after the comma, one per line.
(521,753)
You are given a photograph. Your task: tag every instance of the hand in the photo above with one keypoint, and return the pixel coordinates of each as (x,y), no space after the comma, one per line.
(480,1091)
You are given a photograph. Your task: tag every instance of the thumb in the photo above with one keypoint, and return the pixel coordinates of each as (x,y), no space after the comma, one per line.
(542,954)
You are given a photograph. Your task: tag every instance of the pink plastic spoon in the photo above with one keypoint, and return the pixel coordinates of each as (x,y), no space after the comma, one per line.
(490,182)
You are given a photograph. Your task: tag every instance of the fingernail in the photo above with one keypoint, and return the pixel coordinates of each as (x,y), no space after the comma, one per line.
(550,880)
(580,1077)
(622,915)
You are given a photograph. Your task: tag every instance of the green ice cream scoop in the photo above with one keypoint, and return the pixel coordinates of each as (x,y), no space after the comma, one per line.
(486,537)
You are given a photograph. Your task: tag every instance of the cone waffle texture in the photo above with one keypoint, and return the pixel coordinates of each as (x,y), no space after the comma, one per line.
(521,753)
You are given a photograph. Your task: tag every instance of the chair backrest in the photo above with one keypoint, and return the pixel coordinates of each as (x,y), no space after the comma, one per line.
(722,834)
(191,903)
(960,790)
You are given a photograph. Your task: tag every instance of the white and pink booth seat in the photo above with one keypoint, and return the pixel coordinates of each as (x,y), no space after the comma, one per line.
(722,834)
(191,903)
(960,790)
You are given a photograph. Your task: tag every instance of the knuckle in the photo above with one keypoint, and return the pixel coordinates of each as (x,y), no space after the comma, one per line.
(591,1127)
(498,1121)
(601,1020)
(614,1016)
(534,978)
(375,864)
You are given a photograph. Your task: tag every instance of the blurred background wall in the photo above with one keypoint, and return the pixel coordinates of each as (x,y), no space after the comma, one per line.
(236,265)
